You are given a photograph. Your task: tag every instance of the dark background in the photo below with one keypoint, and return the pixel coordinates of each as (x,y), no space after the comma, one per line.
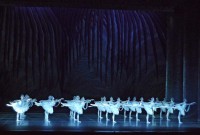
(94,49)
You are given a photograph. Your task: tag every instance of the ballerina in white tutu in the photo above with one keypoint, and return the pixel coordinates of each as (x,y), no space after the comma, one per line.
(100,107)
(182,108)
(80,106)
(76,106)
(170,108)
(115,108)
(48,105)
(149,107)
(130,106)
(112,107)
(107,105)
(136,107)
(162,105)
(125,106)
(21,106)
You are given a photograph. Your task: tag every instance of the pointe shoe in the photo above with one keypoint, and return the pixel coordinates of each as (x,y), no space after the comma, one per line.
(79,121)
(148,122)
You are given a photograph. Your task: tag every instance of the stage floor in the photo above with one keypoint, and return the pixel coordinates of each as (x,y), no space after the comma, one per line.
(90,123)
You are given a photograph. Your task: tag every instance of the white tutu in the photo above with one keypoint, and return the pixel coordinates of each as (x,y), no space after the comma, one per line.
(100,106)
(107,107)
(47,105)
(114,110)
(139,110)
(148,109)
(21,106)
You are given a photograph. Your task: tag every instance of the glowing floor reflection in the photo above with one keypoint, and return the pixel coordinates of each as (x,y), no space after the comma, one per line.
(90,123)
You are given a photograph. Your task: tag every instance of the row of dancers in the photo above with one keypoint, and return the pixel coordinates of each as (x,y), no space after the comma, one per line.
(77,105)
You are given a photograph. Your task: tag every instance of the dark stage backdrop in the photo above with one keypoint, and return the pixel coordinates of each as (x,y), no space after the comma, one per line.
(93,53)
